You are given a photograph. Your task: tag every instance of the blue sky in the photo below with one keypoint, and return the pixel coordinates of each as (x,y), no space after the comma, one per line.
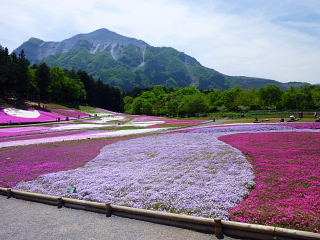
(276,39)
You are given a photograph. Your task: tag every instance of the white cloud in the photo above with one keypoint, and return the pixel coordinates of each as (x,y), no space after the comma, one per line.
(235,43)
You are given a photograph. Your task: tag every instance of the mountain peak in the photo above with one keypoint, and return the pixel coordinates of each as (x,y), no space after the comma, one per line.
(99,33)
(35,40)
(102,30)
(107,37)
(97,41)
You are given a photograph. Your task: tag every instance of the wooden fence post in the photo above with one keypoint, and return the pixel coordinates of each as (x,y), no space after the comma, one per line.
(9,193)
(108,210)
(60,202)
(218,228)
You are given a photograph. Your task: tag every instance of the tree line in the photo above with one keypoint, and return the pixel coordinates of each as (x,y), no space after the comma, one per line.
(188,101)
(40,83)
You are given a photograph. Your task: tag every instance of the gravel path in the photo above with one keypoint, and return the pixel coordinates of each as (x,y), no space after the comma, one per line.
(24,220)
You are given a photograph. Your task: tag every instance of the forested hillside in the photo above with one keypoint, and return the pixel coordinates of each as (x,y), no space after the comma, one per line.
(40,83)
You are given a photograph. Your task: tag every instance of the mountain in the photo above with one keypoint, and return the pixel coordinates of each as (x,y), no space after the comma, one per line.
(129,63)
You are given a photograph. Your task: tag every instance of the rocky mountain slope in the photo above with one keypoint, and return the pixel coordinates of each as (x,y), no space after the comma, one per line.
(129,63)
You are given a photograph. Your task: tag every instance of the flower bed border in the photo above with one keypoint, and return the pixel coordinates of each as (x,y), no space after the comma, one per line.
(216,226)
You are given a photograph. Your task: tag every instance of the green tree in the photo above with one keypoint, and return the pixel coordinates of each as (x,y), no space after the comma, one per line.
(192,104)
(89,86)
(65,89)
(270,96)
(12,81)
(128,100)
(142,106)
(315,95)
(23,77)
(228,98)
(34,91)
(295,98)
(247,99)
(44,81)
(213,100)
(4,71)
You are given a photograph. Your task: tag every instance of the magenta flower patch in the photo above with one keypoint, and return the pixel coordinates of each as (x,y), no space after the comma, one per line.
(308,125)
(287,168)
(42,135)
(26,163)
(18,131)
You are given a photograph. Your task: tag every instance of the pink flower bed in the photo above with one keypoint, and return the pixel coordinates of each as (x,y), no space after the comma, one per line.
(18,131)
(287,191)
(307,125)
(22,131)
(26,163)
(72,114)
(44,117)
(41,135)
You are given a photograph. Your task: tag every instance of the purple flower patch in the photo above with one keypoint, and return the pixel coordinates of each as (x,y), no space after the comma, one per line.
(183,173)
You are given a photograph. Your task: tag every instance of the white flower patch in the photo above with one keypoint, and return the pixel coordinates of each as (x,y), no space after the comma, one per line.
(21,113)
(81,136)
(77,126)
(119,133)
(143,124)
(108,119)
(104,114)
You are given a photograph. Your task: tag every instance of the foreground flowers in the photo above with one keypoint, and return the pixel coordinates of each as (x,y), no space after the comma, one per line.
(194,174)
(28,162)
(287,171)
(190,171)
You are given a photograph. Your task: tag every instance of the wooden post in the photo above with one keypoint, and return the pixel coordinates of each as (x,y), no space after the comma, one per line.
(218,228)
(9,193)
(60,202)
(108,210)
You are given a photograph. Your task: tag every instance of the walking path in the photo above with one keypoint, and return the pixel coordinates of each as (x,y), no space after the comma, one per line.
(81,136)
(24,220)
